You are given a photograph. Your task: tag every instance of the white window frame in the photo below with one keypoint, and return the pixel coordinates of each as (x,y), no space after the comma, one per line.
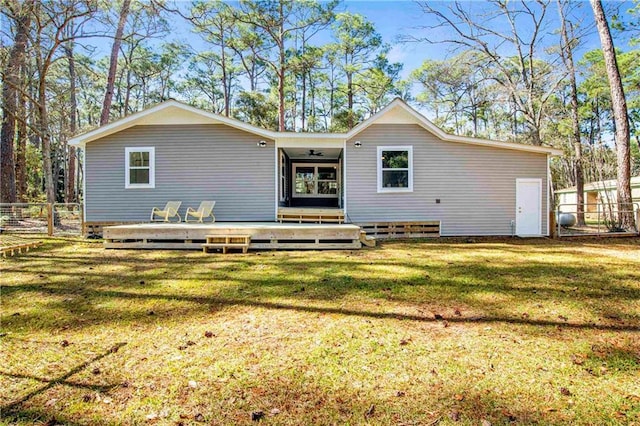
(152,167)
(409,149)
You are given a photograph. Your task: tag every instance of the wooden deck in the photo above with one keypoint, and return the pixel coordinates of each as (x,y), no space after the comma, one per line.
(263,235)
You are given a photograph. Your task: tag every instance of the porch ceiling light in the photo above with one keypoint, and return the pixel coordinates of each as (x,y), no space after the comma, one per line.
(262,144)
(357,144)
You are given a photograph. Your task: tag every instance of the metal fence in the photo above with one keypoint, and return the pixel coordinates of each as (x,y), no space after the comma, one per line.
(41,218)
(600,219)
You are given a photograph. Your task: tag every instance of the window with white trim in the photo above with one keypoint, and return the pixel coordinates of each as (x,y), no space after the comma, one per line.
(140,167)
(395,169)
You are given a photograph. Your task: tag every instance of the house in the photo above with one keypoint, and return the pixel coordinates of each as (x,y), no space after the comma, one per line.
(596,194)
(396,166)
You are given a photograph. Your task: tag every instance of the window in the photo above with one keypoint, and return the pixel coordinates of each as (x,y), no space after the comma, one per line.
(395,169)
(315,180)
(140,168)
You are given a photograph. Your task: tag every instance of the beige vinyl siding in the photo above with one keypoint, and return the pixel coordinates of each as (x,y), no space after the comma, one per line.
(192,163)
(476,185)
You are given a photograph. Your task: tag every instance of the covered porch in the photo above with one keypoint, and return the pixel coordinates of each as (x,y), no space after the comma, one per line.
(310,174)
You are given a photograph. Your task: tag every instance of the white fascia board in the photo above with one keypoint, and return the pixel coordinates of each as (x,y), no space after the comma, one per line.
(142,117)
(429,126)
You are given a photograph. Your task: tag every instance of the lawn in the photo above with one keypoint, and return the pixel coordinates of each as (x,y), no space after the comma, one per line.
(435,332)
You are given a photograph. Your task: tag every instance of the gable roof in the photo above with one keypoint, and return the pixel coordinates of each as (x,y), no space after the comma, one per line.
(600,185)
(168,112)
(397,112)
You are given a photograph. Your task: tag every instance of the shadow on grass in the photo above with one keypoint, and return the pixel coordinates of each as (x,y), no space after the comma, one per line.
(209,303)
(60,380)
(78,284)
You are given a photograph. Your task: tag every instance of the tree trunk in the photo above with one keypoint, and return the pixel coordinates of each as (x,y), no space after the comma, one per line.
(10,106)
(350,101)
(70,193)
(113,63)
(45,137)
(567,56)
(621,119)
(21,147)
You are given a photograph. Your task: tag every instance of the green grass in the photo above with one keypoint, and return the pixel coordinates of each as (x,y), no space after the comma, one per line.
(507,331)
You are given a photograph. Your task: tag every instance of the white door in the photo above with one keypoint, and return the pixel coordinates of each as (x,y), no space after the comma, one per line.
(528,207)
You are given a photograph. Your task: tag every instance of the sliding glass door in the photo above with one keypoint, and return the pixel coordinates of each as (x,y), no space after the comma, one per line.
(315,180)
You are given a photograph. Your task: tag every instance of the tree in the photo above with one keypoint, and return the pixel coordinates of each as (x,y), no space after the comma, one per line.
(566,51)
(113,62)
(215,22)
(276,21)
(529,81)
(621,118)
(357,43)
(51,31)
(11,96)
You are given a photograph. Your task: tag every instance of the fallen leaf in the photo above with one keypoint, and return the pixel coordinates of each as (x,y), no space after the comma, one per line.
(458,397)
(563,318)
(151,416)
(578,359)
(445,324)
(400,394)
(208,334)
(509,416)
(256,416)
(485,422)
(274,411)
(190,343)
(565,391)
(198,417)
(370,411)
(96,370)
(404,342)
(193,384)
(64,343)
(457,312)
(438,316)
(454,416)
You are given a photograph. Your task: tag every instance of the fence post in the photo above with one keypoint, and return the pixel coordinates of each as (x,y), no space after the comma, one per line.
(552,225)
(50,219)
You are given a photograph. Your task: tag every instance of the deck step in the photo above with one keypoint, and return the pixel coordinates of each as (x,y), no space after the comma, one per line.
(226,242)
(310,215)
(367,240)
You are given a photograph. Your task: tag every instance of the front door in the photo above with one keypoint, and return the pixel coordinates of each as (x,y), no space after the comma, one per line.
(528,207)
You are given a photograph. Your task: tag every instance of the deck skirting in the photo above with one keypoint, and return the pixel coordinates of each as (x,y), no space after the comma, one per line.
(404,229)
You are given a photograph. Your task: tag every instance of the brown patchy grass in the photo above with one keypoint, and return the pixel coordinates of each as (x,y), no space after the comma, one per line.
(506,331)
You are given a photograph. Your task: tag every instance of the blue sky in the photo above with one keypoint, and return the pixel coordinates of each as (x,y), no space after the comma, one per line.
(394,19)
